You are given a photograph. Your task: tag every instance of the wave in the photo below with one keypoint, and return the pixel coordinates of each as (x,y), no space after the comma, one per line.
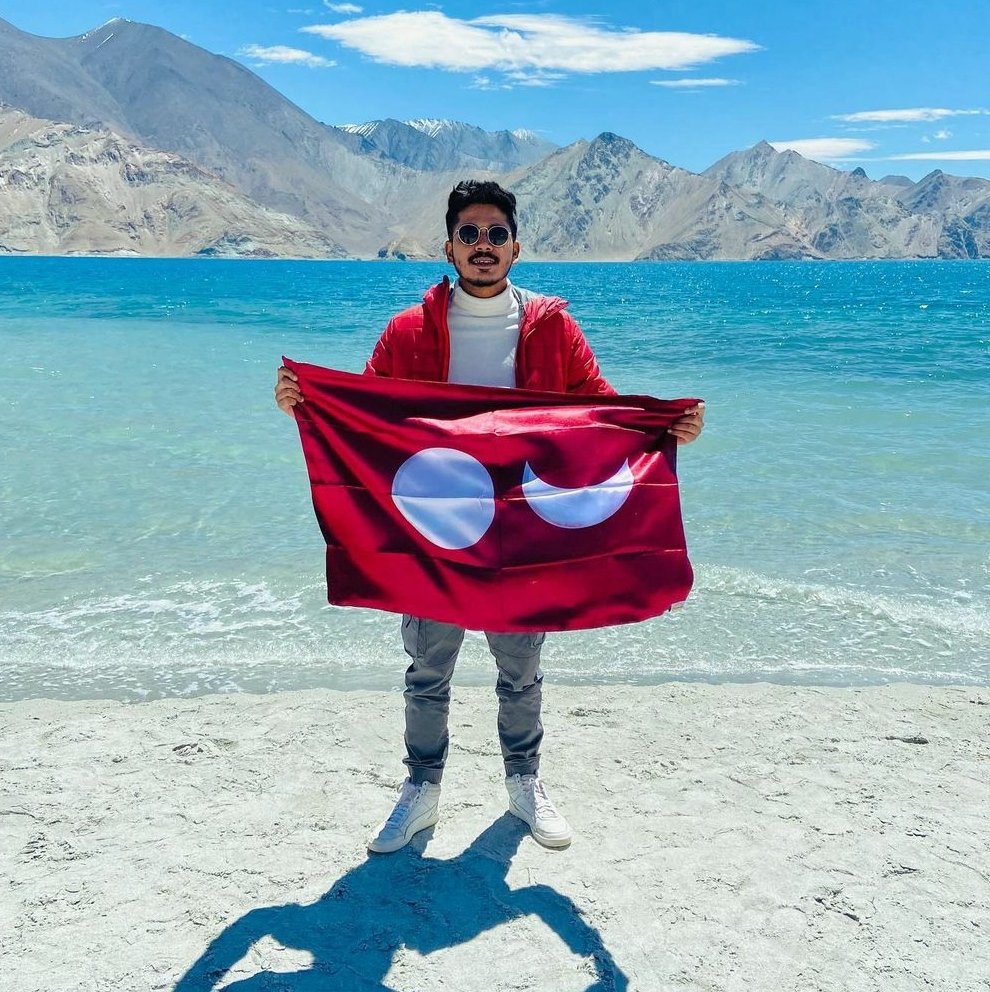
(942,613)
(197,636)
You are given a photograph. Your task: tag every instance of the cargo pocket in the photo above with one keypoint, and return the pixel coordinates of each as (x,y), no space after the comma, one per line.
(413,637)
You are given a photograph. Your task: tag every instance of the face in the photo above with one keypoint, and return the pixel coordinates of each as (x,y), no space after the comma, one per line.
(483,269)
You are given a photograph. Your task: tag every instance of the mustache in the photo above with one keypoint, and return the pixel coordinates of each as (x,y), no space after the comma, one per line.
(483,254)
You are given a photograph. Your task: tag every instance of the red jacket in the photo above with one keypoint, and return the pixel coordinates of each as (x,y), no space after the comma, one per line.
(552,353)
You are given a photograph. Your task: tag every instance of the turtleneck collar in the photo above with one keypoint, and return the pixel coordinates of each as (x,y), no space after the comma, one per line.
(488,306)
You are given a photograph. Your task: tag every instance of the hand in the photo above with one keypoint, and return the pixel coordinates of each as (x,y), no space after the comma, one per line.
(687,428)
(287,393)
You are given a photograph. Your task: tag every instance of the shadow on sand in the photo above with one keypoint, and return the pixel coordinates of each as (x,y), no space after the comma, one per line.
(401,900)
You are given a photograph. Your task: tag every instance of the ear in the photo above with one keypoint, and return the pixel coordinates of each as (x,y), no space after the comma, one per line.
(448,250)
(515,251)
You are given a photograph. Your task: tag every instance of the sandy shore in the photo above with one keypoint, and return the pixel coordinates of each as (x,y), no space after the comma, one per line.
(747,837)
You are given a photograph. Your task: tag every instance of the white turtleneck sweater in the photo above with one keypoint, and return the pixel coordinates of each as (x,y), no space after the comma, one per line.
(484,334)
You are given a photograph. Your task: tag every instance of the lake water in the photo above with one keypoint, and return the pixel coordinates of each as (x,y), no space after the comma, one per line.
(157,536)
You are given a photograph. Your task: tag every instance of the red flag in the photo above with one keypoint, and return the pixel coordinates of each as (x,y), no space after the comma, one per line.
(494,509)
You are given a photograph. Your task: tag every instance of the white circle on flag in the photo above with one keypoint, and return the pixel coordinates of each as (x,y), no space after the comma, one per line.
(447,495)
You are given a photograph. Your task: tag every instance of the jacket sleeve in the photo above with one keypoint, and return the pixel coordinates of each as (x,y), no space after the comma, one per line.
(583,374)
(381,362)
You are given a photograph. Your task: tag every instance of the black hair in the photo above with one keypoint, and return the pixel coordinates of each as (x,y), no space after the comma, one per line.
(480,191)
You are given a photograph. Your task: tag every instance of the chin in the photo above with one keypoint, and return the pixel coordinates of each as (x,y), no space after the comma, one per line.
(474,278)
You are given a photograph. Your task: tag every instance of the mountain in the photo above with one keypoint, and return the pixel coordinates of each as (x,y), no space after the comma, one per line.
(608,199)
(58,180)
(441,145)
(127,131)
(963,207)
(474,148)
(836,214)
(36,76)
(161,91)
(896,181)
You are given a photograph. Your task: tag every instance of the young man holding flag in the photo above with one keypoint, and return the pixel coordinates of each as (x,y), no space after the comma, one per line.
(481,331)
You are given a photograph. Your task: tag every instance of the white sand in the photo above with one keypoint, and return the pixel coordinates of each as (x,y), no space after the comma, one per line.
(727,838)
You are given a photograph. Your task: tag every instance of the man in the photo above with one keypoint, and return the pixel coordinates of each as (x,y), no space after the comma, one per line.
(483,331)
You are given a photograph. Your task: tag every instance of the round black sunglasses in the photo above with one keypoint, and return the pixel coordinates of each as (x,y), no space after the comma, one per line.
(470,234)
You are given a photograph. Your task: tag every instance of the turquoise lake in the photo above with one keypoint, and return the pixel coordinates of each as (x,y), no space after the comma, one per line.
(157,536)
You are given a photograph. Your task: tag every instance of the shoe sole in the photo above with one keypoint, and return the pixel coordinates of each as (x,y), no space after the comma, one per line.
(547,840)
(422,823)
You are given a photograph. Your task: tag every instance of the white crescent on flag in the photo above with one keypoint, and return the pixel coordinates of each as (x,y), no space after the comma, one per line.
(574,508)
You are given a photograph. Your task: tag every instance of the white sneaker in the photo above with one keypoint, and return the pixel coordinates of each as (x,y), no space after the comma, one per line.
(529,801)
(418,808)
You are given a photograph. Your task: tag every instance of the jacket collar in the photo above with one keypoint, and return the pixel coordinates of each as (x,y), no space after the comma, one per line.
(534,305)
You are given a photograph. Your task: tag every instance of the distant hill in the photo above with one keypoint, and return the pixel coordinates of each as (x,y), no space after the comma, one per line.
(962,206)
(608,199)
(58,181)
(158,90)
(447,146)
(843,214)
(129,139)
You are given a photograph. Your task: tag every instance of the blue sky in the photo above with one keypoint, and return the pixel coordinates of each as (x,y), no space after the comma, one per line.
(895,87)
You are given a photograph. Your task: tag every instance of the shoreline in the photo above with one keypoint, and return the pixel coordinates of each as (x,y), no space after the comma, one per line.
(389,685)
(727,836)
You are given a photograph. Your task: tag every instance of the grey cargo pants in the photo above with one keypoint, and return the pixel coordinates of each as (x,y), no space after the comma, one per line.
(433,648)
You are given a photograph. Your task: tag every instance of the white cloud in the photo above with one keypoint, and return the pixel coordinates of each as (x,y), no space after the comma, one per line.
(908,116)
(483,83)
(942,135)
(981,155)
(690,84)
(825,149)
(343,8)
(534,77)
(282,54)
(522,43)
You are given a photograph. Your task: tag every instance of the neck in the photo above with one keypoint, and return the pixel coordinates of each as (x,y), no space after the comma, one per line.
(483,292)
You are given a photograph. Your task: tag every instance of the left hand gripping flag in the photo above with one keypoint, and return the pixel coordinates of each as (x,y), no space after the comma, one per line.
(494,509)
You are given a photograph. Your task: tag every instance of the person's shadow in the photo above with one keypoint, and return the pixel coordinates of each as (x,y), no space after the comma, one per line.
(404,900)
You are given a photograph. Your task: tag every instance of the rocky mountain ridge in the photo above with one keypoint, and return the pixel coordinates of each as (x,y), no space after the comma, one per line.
(128,139)
(67,189)
(447,146)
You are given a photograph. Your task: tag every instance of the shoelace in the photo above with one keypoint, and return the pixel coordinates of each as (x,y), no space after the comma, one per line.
(541,801)
(402,806)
